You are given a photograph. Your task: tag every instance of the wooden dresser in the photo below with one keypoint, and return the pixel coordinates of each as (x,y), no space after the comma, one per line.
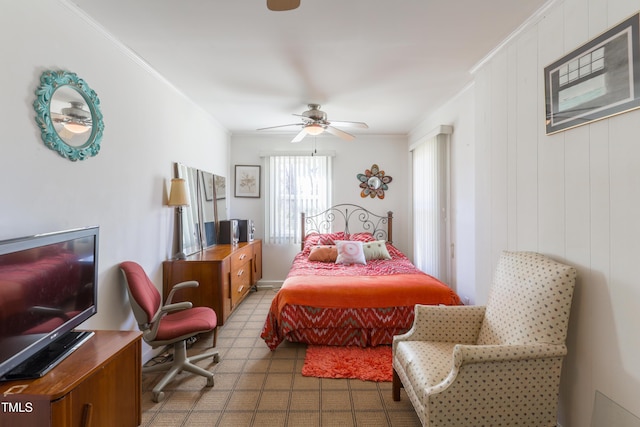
(226,274)
(99,384)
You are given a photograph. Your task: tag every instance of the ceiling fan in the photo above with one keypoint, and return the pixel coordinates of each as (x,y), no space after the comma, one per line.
(314,122)
(74,119)
(281,5)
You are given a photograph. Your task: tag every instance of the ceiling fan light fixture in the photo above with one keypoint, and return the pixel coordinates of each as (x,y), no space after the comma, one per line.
(76,128)
(314,129)
(77,118)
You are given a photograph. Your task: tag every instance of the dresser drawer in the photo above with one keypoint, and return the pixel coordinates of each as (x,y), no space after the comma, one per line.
(241,280)
(239,257)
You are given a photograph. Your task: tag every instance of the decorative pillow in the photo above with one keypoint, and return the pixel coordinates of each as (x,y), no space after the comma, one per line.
(362,237)
(324,253)
(331,238)
(315,239)
(375,250)
(350,252)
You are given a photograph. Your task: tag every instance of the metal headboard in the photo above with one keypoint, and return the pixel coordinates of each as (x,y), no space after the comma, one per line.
(346,214)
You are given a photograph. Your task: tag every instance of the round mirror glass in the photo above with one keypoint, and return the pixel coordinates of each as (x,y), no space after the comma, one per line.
(71,118)
(374,183)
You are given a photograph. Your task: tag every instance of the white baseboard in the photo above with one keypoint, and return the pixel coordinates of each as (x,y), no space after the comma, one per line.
(269,284)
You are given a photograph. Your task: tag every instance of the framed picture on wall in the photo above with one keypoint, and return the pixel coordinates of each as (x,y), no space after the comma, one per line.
(597,80)
(247,181)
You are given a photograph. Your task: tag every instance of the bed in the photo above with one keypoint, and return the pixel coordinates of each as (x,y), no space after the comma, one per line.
(332,296)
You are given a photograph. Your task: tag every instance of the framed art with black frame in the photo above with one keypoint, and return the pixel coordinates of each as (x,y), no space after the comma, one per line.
(599,79)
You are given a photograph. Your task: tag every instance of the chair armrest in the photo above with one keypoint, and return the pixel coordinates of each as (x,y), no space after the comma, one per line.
(181,285)
(177,306)
(468,354)
(505,360)
(168,308)
(150,334)
(459,323)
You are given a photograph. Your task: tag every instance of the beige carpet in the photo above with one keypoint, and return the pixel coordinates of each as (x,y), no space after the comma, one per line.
(257,387)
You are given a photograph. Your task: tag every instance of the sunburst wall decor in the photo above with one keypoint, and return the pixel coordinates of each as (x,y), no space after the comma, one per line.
(373,182)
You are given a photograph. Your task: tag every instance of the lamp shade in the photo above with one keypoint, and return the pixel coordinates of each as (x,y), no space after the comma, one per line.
(178,193)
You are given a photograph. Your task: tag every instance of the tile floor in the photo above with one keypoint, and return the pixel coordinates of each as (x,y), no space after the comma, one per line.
(257,387)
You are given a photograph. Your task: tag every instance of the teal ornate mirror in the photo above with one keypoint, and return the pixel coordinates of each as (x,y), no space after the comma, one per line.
(68,114)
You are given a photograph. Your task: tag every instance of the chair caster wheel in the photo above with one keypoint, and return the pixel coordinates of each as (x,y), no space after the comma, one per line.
(216,358)
(210,382)
(158,396)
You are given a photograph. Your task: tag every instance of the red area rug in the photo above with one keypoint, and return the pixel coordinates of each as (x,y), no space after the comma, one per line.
(368,364)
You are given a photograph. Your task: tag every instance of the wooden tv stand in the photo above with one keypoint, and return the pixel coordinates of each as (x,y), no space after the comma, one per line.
(99,384)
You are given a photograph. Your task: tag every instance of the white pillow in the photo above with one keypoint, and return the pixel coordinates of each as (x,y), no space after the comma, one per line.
(350,252)
(375,250)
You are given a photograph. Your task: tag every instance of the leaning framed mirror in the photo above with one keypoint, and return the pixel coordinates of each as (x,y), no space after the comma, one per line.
(68,115)
(207,207)
(191,222)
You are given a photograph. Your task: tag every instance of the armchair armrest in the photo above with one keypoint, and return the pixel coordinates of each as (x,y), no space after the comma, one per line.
(181,285)
(459,324)
(499,358)
(468,354)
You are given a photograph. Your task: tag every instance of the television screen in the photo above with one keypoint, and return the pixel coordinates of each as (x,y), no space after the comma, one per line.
(48,286)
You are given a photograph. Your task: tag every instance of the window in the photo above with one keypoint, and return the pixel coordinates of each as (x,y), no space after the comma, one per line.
(296,184)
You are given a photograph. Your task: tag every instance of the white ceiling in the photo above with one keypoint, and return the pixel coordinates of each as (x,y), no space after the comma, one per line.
(384,62)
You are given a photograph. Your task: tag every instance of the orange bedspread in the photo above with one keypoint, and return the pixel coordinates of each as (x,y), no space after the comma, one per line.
(364,291)
(360,304)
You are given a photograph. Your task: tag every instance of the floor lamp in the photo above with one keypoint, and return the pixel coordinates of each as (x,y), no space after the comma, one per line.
(178,198)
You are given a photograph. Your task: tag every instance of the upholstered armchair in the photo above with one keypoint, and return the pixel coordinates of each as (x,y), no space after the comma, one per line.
(491,365)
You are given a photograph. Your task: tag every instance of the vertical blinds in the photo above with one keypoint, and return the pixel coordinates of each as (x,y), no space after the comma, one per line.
(296,184)
(430,206)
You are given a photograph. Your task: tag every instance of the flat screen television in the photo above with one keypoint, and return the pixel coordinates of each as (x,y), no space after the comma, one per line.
(48,286)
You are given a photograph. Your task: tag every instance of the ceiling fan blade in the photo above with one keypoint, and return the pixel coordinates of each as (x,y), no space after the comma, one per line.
(280,5)
(361,125)
(340,133)
(300,136)
(281,126)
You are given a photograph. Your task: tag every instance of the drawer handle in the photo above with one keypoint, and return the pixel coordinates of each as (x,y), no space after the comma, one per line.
(242,256)
(87,414)
(240,272)
(240,288)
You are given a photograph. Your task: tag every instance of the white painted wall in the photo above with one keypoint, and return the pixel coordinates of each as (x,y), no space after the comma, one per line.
(351,158)
(572,196)
(148,126)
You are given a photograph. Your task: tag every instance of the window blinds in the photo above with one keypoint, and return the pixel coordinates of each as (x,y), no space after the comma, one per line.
(431,206)
(296,184)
